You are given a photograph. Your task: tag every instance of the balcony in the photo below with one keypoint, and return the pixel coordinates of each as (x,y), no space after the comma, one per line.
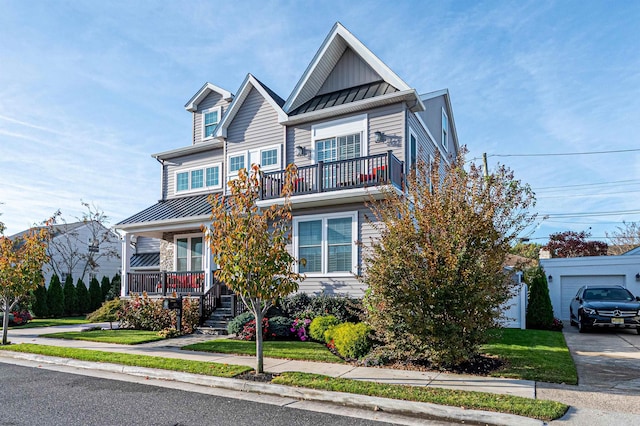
(163,283)
(361,172)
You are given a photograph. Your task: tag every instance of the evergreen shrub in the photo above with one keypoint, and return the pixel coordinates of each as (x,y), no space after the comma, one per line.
(321,324)
(82,293)
(55,298)
(351,340)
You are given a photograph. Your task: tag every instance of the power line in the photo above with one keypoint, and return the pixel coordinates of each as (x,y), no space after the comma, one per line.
(586,195)
(588,214)
(626,182)
(565,153)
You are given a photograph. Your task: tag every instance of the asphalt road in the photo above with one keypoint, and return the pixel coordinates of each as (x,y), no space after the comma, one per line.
(35,396)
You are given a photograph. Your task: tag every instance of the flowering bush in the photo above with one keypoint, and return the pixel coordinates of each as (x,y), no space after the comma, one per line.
(249,330)
(556,325)
(143,313)
(299,328)
(20,318)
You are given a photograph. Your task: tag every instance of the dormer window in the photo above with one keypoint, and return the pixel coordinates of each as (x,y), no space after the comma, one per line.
(210,120)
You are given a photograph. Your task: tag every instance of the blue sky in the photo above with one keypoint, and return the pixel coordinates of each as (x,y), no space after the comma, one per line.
(89,90)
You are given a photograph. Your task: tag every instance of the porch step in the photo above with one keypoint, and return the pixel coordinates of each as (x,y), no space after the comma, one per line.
(203,329)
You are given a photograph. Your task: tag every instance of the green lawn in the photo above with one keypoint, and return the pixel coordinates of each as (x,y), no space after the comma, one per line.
(306,351)
(50,322)
(533,355)
(535,408)
(184,365)
(124,337)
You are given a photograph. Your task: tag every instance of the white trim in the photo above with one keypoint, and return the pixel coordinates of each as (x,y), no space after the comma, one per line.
(204,179)
(445,143)
(203,113)
(192,104)
(341,127)
(175,249)
(353,215)
(408,158)
(438,146)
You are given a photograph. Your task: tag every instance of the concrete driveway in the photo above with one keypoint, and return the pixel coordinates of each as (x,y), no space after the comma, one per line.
(606,359)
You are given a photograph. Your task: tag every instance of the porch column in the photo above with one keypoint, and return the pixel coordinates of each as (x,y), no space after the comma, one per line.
(126,263)
(206,262)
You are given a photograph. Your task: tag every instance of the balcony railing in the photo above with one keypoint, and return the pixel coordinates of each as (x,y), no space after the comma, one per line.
(381,169)
(156,283)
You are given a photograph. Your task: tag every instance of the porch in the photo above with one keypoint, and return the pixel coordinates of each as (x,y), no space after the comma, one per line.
(373,170)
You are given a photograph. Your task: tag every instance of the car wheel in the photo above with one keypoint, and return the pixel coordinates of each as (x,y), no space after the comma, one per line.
(582,328)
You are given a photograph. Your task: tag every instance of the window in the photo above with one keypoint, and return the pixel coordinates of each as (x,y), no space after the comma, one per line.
(269,157)
(198,179)
(340,139)
(326,243)
(413,150)
(236,163)
(445,130)
(189,250)
(210,119)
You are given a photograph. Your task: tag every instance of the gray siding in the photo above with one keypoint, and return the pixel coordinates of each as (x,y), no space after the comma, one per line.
(342,285)
(187,162)
(432,117)
(213,99)
(426,146)
(388,119)
(254,126)
(350,71)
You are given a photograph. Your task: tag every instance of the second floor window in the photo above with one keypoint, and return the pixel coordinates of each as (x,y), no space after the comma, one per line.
(210,119)
(338,148)
(198,179)
(445,130)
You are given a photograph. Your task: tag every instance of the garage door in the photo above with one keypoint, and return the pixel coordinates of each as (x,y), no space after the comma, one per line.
(569,286)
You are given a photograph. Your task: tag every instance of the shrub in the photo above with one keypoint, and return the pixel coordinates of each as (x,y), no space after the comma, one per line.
(539,309)
(301,305)
(105,286)
(83,297)
(351,340)
(107,312)
(168,333)
(299,328)
(249,330)
(95,294)
(70,297)
(39,305)
(294,304)
(321,324)
(18,317)
(55,298)
(236,325)
(143,313)
(114,290)
(280,327)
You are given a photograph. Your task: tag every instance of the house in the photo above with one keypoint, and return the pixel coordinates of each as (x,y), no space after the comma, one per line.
(566,275)
(351,125)
(83,249)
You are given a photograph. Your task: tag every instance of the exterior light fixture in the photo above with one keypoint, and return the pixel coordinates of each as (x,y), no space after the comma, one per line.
(300,151)
(550,278)
(380,137)
(638,277)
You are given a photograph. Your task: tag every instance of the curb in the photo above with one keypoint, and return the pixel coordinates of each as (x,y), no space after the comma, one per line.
(394,406)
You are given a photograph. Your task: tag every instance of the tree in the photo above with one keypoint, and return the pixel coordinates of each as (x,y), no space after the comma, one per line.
(114,291)
(84,303)
(435,274)
(21,262)
(249,245)
(70,251)
(539,309)
(70,297)
(574,244)
(39,307)
(624,238)
(105,286)
(95,294)
(55,297)
(528,250)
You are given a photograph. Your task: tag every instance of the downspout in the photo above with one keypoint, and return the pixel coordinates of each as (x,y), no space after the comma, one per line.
(162,169)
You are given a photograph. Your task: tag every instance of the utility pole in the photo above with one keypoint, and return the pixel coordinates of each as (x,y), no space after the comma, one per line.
(486,168)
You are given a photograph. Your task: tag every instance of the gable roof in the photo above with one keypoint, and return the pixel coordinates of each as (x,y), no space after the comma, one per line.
(250,82)
(326,58)
(194,206)
(192,105)
(447,100)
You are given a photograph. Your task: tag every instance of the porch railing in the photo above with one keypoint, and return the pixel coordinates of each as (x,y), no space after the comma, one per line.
(191,282)
(381,169)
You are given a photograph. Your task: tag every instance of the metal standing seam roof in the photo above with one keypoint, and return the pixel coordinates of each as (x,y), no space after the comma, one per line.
(345,96)
(173,208)
(141,260)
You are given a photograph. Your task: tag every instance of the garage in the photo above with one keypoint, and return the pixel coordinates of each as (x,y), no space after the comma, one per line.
(569,286)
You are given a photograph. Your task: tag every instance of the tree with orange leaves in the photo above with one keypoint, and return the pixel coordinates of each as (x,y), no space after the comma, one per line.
(249,245)
(21,261)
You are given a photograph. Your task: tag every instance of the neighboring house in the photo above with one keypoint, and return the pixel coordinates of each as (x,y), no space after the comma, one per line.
(350,125)
(566,275)
(82,249)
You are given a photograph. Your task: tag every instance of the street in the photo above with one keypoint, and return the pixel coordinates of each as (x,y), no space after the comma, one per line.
(39,396)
